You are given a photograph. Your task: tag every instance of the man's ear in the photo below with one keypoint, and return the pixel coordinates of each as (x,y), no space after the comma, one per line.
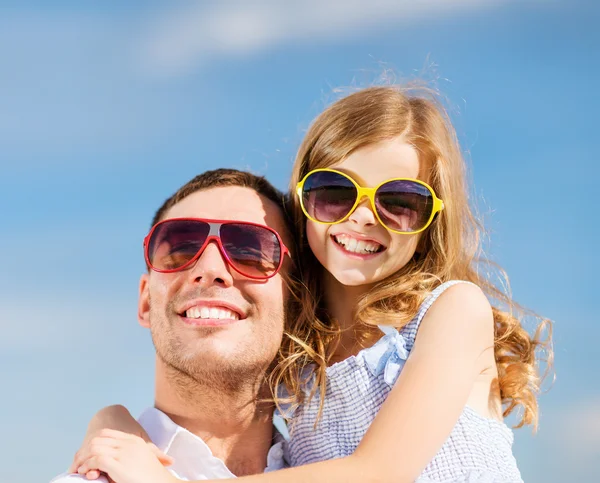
(144,301)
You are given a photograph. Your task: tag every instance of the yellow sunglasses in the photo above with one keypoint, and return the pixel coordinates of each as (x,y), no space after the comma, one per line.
(402,205)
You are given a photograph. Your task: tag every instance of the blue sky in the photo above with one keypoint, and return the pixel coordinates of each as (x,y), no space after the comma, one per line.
(108,107)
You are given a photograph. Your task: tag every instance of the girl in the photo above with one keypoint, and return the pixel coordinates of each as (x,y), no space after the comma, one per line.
(398,368)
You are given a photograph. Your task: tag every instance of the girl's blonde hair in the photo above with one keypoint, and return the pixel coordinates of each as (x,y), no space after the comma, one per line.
(449,249)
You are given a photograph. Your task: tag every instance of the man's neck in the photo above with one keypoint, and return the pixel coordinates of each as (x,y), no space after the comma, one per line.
(236,426)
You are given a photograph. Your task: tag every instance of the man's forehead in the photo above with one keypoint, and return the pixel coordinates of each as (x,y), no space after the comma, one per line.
(229,203)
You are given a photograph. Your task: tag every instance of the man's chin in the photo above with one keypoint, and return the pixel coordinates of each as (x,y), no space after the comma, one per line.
(215,359)
(215,372)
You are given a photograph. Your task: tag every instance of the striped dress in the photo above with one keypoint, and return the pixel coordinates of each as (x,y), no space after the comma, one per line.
(477,450)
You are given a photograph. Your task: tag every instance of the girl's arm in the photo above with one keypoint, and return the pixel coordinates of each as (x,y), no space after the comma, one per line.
(426,401)
(115,417)
(414,421)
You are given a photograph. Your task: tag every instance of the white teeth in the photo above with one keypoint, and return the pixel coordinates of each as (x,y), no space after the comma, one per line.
(357,246)
(204,312)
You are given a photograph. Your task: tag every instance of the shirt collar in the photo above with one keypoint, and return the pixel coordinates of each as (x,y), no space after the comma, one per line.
(193,458)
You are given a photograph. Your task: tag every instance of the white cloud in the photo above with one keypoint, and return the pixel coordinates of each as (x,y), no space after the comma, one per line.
(181,40)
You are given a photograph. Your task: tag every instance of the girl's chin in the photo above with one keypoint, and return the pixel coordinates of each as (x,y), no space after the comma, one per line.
(354,278)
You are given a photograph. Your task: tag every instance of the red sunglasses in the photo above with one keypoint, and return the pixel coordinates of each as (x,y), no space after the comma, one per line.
(256,251)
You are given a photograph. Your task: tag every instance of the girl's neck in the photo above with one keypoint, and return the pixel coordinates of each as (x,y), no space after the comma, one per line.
(340,302)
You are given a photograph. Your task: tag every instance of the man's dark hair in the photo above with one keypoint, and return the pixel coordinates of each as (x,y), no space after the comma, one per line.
(224,177)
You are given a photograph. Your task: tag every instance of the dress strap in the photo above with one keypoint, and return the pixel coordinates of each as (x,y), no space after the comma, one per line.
(409,331)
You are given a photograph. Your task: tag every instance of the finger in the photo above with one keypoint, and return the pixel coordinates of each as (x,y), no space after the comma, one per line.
(96,446)
(84,453)
(91,462)
(75,463)
(77,459)
(116,434)
(164,459)
(92,475)
(106,463)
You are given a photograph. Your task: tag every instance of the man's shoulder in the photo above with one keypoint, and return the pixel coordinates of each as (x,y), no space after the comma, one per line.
(74,477)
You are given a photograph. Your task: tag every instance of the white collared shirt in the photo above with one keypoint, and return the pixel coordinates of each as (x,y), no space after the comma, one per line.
(193,458)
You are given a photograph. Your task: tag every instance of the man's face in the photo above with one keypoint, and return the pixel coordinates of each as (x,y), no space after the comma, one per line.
(168,302)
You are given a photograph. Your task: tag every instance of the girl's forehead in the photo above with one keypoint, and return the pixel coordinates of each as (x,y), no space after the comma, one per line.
(378,162)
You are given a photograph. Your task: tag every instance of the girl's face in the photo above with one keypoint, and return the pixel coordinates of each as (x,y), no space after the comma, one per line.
(360,250)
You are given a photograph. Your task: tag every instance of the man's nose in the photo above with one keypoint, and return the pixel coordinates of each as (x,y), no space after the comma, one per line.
(212,268)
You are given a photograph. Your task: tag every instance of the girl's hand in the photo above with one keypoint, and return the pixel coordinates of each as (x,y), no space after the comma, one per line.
(125,458)
(110,417)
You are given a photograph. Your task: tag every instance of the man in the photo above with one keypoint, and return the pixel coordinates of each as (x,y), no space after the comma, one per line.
(214,299)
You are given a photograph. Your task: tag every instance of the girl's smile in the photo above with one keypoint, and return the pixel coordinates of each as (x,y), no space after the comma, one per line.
(356,244)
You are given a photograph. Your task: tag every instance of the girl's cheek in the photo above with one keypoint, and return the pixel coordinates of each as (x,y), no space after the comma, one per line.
(317,237)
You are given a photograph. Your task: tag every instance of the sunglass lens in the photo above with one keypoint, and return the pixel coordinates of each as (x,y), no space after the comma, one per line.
(255,251)
(327,196)
(174,243)
(404,205)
